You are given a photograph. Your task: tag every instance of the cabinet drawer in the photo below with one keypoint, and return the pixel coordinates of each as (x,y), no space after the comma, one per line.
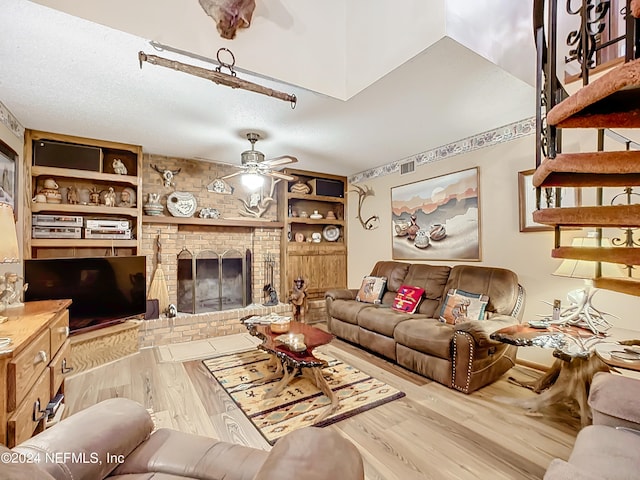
(60,367)
(24,421)
(59,331)
(25,368)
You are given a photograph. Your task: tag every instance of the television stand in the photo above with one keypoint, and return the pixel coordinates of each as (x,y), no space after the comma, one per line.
(97,347)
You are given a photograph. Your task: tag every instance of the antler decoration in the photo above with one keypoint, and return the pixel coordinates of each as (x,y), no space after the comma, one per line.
(256,206)
(364,192)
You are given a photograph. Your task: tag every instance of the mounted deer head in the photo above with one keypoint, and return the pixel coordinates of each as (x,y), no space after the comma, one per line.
(229,15)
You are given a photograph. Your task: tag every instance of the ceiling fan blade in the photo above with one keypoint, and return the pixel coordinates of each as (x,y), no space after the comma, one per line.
(282,160)
(281,175)
(218,161)
(231,175)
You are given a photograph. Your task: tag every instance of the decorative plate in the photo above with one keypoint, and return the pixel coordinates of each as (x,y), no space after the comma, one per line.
(181,204)
(331,233)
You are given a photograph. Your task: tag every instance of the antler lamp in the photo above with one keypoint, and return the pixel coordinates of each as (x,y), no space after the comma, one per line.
(581,311)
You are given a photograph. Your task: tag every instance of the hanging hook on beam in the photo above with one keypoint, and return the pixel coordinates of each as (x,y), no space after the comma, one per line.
(217,77)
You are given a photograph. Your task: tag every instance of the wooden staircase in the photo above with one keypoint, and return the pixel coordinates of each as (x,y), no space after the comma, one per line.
(611,101)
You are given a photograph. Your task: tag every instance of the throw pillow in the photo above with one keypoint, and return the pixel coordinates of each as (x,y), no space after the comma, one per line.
(461,306)
(372,289)
(407,299)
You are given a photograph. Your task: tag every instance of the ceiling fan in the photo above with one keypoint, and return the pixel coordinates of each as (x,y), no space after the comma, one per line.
(254,163)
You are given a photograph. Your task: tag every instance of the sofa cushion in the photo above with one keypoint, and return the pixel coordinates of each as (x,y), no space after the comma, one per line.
(425,335)
(433,279)
(614,400)
(382,320)
(394,271)
(463,306)
(501,285)
(407,299)
(371,289)
(347,310)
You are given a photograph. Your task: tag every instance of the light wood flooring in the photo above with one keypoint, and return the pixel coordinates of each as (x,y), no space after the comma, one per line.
(432,433)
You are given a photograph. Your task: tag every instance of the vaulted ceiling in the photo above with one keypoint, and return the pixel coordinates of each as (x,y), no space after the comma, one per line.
(375,81)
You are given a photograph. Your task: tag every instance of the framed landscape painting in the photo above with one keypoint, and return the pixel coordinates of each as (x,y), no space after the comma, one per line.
(437,218)
(8,177)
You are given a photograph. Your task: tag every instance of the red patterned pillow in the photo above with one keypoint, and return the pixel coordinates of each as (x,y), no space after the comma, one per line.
(407,299)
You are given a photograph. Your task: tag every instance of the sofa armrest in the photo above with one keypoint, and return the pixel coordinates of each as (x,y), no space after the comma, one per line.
(313,454)
(481,330)
(614,400)
(341,294)
(92,442)
(561,470)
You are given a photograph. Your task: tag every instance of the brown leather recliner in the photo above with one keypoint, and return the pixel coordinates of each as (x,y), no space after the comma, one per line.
(113,439)
(461,356)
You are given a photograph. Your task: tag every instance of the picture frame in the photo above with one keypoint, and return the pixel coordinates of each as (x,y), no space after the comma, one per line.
(9,177)
(570,197)
(437,218)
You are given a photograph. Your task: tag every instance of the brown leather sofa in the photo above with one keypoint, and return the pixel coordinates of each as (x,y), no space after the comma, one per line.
(460,356)
(610,448)
(113,439)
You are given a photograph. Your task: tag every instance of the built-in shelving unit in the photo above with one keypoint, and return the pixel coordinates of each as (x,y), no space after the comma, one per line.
(87,165)
(211,222)
(323,262)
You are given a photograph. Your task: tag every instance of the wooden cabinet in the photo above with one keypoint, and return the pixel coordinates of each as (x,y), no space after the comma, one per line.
(32,366)
(323,263)
(85,165)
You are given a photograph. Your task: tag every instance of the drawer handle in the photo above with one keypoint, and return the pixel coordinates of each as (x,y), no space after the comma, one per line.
(41,357)
(64,331)
(66,369)
(38,414)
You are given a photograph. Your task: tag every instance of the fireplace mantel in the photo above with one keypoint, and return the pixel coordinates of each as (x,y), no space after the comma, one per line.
(213,222)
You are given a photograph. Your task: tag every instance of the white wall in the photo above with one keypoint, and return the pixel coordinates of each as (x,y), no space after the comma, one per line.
(527,253)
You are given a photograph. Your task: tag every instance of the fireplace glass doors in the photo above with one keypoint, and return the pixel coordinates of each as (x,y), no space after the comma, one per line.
(209,281)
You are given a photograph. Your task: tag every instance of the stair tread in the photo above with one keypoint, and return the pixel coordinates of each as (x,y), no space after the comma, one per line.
(621,255)
(599,216)
(608,101)
(596,169)
(630,286)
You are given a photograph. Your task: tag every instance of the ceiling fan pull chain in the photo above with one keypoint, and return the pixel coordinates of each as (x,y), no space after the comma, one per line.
(229,66)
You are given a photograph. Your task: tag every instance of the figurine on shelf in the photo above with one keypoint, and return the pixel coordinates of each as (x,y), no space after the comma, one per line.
(110,198)
(72,195)
(94,196)
(298,298)
(125,199)
(10,293)
(119,167)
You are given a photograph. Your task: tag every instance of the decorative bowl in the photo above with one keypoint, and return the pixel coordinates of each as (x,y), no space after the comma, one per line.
(280,326)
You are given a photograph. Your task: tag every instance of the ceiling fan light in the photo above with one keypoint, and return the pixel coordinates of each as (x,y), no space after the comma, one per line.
(252,181)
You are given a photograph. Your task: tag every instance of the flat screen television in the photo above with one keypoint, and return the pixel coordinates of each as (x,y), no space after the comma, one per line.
(104,290)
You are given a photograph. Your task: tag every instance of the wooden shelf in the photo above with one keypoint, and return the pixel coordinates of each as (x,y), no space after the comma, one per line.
(316,198)
(81,242)
(211,222)
(321,221)
(38,171)
(83,209)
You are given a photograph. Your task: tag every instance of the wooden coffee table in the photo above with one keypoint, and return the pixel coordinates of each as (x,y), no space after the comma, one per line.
(288,363)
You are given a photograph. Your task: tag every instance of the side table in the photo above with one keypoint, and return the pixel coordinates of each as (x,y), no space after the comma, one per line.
(570,375)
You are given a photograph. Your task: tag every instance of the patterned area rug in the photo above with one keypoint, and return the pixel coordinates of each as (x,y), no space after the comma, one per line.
(301,403)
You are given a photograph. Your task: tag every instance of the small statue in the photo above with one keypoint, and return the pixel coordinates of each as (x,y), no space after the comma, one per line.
(125,199)
(119,167)
(72,195)
(298,298)
(9,291)
(172,311)
(110,198)
(94,196)
(272,294)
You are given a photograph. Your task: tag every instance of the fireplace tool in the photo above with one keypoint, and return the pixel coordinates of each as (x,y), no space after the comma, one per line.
(269,290)
(158,287)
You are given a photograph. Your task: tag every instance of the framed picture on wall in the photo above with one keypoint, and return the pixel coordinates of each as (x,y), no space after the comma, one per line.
(437,218)
(9,177)
(569,197)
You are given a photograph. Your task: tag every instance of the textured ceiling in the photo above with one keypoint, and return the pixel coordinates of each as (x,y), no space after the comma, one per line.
(65,74)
